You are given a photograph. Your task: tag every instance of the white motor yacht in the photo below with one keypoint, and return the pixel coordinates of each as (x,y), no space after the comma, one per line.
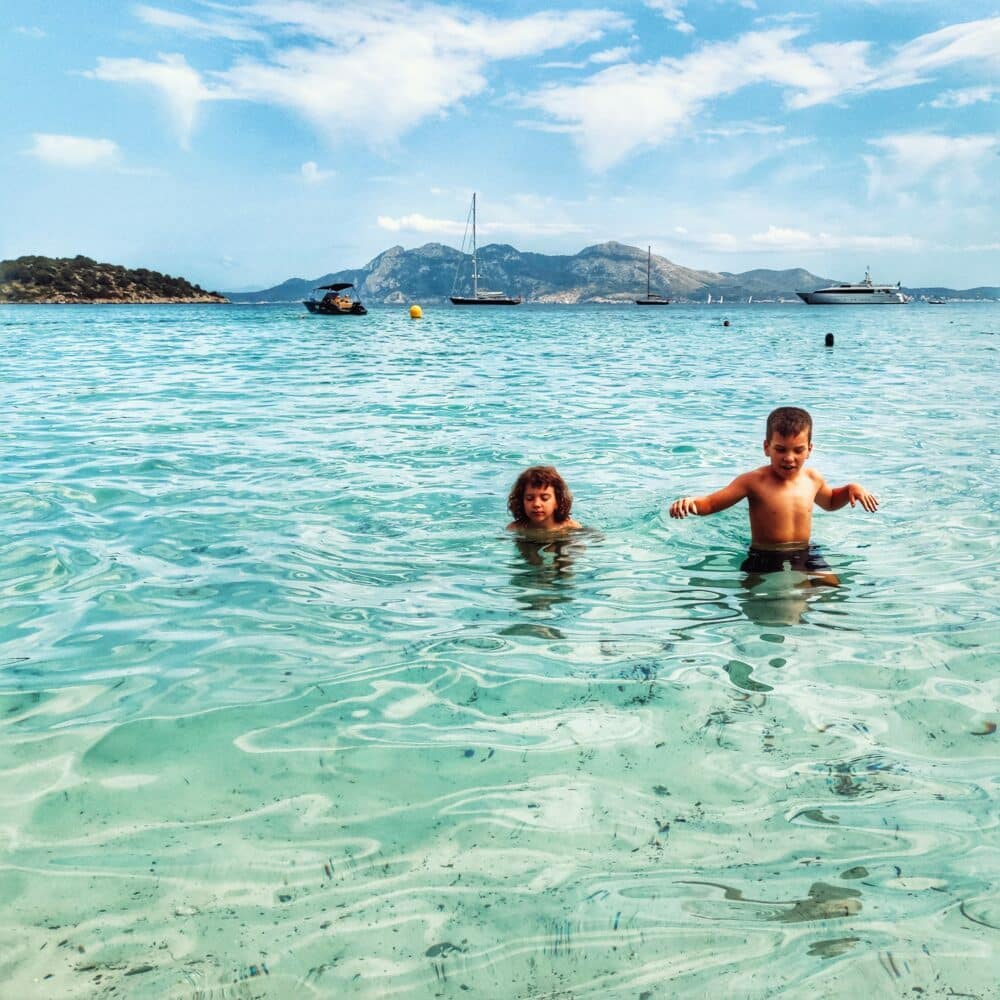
(864,293)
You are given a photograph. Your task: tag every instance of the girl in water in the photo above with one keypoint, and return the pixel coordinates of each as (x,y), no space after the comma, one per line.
(540,501)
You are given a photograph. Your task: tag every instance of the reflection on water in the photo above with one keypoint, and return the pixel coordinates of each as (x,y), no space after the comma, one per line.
(542,577)
(785,605)
(783,597)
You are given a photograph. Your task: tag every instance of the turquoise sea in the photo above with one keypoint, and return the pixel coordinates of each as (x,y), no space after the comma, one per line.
(285,712)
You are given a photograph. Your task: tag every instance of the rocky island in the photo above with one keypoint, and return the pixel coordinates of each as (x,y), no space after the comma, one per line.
(82,280)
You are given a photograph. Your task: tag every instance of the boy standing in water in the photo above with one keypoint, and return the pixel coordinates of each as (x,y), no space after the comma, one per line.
(781,497)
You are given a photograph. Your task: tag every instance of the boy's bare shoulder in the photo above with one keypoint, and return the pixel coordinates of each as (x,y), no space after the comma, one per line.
(755,477)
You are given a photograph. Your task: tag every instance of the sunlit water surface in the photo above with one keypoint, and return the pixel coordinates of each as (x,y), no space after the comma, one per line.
(285,712)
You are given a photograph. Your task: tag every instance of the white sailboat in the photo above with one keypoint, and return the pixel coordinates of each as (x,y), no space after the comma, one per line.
(480,296)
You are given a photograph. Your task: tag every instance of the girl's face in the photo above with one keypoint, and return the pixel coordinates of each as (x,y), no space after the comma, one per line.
(540,506)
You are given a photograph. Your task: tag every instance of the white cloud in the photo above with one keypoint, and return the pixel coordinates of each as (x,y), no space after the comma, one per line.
(964,98)
(380,71)
(417,223)
(924,151)
(630,107)
(31,32)
(743,128)
(624,109)
(791,240)
(73,151)
(619,54)
(779,238)
(945,165)
(217,27)
(385,70)
(180,84)
(673,11)
(792,17)
(605,57)
(312,174)
(822,73)
(965,44)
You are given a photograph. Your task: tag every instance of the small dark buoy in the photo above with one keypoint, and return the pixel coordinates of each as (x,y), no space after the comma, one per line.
(829,340)
(725,322)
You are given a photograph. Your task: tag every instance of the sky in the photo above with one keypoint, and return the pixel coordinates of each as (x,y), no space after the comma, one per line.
(241,144)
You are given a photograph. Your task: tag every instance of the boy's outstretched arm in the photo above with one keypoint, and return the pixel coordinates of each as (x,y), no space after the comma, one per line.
(713,502)
(833,498)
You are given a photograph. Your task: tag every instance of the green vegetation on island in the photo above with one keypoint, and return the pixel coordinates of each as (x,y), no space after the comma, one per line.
(80,279)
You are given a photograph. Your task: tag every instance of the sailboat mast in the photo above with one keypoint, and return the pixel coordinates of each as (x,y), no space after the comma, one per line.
(475,266)
(649,261)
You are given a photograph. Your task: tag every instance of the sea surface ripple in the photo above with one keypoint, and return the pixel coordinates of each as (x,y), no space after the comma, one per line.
(285,711)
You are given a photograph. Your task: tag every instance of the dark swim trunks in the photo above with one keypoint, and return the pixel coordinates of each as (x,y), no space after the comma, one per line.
(805,560)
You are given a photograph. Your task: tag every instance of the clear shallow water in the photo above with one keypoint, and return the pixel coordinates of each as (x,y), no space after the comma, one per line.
(285,712)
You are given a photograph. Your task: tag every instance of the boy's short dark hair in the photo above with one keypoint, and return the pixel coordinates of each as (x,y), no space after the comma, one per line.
(788,421)
(536,477)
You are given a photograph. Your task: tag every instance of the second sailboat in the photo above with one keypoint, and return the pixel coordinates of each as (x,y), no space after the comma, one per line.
(480,296)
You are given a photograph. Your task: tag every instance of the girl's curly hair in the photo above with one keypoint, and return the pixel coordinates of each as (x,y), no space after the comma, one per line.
(535,477)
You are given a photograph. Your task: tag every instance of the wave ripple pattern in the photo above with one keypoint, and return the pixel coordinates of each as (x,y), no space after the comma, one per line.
(285,712)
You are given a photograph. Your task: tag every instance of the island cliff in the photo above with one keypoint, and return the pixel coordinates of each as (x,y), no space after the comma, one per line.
(82,280)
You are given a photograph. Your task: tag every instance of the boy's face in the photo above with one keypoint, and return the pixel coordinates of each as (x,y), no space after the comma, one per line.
(539,504)
(788,453)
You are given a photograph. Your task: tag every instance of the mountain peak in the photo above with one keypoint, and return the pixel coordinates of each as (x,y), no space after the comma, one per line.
(604,272)
(612,248)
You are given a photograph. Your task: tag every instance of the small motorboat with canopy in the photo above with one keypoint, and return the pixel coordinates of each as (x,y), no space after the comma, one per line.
(338,301)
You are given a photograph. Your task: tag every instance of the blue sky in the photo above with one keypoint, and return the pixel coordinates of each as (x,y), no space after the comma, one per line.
(239,144)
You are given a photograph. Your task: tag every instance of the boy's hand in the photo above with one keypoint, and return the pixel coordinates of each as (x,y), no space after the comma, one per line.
(683,507)
(858,494)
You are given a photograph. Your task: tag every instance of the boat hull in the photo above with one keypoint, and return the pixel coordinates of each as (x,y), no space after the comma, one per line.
(326,309)
(652,302)
(458,300)
(870,297)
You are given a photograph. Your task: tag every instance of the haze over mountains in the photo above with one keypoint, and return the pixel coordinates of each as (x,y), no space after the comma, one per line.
(605,272)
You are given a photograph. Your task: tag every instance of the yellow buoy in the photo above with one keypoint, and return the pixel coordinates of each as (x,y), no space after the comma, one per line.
(416,312)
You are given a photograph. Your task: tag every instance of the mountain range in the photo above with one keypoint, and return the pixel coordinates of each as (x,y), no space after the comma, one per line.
(605,272)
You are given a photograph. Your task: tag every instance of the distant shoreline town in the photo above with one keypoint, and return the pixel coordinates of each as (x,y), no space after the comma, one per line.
(607,273)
